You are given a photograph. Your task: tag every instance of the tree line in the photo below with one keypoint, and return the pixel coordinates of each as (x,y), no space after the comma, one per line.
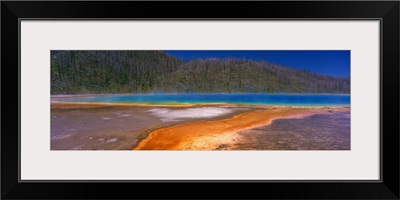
(77,72)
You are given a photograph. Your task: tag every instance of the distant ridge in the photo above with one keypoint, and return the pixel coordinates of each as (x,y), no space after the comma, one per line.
(77,72)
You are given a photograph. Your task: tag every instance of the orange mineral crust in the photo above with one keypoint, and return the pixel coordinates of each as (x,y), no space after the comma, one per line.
(208,135)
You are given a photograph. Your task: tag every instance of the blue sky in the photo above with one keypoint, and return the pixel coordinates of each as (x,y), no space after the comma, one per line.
(333,63)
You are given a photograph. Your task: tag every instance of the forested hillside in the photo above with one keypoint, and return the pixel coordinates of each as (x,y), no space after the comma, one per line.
(75,72)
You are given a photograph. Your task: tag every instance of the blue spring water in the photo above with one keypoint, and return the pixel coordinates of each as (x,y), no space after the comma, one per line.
(246,98)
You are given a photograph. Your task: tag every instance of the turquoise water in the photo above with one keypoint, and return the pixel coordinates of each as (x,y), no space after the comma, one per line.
(253,99)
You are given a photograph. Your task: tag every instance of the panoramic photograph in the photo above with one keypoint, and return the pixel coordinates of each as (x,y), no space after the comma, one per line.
(200,100)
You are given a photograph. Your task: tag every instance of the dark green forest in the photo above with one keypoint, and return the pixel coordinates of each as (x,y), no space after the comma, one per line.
(78,72)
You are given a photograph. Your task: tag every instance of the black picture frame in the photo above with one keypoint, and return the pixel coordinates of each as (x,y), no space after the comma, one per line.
(386,11)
